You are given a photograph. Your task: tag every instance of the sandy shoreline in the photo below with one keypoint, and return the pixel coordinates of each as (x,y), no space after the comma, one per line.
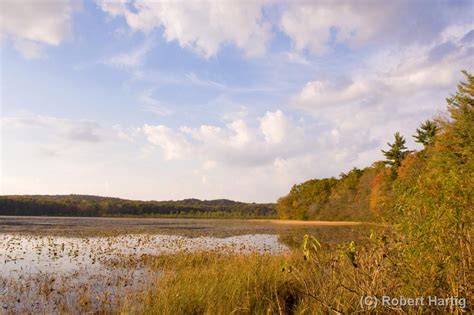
(301,222)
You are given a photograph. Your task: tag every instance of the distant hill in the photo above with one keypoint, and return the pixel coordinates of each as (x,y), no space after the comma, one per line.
(96,206)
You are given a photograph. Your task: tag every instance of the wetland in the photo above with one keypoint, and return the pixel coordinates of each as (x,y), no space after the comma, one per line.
(55,265)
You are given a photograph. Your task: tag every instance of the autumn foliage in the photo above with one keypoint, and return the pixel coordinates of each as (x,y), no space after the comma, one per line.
(427,196)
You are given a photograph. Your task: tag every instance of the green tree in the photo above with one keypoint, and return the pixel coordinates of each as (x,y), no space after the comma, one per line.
(434,202)
(398,151)
(461,109)
(426,133)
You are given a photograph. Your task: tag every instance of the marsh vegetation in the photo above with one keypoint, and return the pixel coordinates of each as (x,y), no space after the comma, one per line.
(71,265)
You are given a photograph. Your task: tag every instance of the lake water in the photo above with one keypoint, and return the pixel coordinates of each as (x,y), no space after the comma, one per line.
(49,265)
(28,254)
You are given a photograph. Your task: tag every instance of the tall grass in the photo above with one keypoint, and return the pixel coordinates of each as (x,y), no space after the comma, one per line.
(213,283)
(313,280)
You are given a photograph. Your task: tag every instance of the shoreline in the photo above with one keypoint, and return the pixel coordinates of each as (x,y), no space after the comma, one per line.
(302,222)
(200,218)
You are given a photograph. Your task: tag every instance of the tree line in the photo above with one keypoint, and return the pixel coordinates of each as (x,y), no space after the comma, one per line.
(437,177)
(95,206)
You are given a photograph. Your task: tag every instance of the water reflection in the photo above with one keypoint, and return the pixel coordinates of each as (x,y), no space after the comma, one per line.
(22,254)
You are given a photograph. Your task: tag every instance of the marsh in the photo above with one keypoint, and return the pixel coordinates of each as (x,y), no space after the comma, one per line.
(63,264)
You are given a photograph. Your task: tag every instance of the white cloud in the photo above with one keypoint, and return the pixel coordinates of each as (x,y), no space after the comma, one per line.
(390,73)
(318,25)
(328,93)
(236,145)
(390,91)
(32,24)
(242,135)
(203,26)
(309,24)
(275,127)
(174,145)
(115,7)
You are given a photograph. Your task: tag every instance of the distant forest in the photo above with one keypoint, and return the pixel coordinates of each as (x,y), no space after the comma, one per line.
(94,206)
(343,198)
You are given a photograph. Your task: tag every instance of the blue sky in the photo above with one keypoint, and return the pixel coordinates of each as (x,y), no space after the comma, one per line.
(216,99)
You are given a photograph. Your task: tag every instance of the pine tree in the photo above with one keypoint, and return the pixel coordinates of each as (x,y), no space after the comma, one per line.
(398,151)
(461,109)
(426,133)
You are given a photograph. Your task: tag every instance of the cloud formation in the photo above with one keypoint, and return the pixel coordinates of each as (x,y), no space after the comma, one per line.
(390,91)
(32,24)
(203,26)
(237,144)
(389,73)
(320,25)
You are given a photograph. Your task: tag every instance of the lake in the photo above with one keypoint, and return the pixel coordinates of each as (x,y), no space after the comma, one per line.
(50,264)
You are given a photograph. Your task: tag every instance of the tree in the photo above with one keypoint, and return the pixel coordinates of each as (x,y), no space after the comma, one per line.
(426,133)
(434,202)
(461,132)
(398,151)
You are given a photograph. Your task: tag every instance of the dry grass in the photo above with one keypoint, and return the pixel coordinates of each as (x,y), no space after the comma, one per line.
(331,279)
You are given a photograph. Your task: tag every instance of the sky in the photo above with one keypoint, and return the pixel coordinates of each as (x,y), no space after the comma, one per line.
(216,99)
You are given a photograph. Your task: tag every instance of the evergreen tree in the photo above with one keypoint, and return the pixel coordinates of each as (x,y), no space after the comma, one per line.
(426,133)
(461,109)
(398,151)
